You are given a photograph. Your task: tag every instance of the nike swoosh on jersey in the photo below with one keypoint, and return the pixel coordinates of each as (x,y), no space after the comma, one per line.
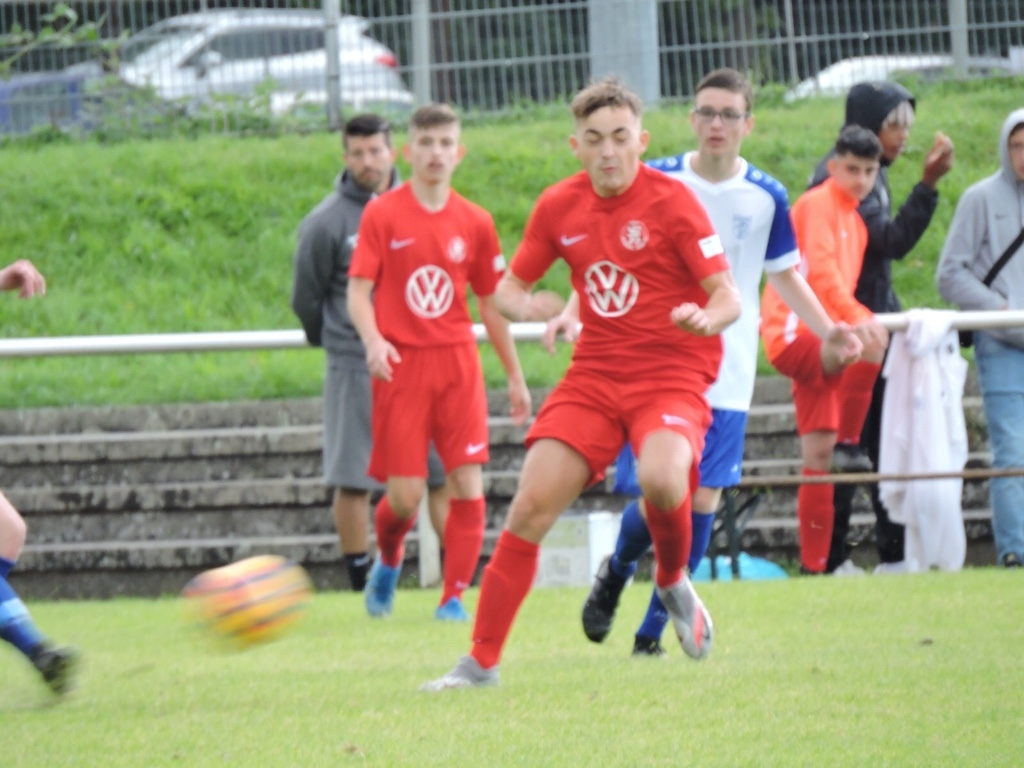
(396,244)
(474,448)
(567,241)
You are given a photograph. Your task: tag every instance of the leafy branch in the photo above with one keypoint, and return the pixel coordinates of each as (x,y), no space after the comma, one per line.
(61,29)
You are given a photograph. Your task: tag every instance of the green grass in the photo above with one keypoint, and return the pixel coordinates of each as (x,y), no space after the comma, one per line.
(180,234)
(917,670)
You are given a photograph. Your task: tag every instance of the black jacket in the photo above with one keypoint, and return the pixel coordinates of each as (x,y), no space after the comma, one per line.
(889,238)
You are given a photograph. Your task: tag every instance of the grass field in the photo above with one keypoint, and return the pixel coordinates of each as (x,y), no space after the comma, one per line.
(920,670)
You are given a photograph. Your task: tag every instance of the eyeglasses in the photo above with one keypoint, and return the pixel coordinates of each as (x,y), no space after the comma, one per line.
(729,116)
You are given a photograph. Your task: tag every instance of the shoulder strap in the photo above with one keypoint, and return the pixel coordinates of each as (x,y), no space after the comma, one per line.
(1007,254)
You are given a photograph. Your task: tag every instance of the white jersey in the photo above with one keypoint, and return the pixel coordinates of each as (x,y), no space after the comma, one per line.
(750,212)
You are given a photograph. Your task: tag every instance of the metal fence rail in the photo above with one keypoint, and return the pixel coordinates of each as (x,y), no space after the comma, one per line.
(221,341)
(486,56)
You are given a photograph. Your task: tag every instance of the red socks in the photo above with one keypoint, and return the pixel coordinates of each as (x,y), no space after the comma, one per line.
(507,581)
(463,538)
(815,513)
(672,534)
(391,531)
(855,387)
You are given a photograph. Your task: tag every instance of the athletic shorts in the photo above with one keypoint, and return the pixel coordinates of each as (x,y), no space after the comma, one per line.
(435,393)
(594,416)
(815,395)
(720,463)
(347,428)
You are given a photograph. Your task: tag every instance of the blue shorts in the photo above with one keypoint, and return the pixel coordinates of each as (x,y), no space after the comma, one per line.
(720,464)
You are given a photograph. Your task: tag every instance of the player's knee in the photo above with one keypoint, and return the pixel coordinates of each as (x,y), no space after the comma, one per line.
(665,487)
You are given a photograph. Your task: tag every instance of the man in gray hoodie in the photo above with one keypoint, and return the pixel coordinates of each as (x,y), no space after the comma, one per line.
(988,220)
(327,237)
(887,109)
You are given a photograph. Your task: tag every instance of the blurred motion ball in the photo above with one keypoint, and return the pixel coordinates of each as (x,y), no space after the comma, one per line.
(251,601)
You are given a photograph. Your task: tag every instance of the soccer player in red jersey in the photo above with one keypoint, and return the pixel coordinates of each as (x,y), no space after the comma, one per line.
(419,247)
(655,291)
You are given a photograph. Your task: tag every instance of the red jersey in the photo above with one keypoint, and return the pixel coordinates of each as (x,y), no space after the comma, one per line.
(420,263)
(634,257)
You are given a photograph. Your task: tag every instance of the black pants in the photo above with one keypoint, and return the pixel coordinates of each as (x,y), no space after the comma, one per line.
(889,536)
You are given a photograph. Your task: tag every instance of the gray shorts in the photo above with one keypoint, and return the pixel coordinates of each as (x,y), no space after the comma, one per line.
(347,431)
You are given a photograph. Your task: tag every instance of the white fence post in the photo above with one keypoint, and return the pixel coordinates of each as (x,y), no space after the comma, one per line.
(430,547)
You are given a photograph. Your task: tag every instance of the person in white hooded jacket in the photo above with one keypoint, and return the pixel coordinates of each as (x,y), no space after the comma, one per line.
(987,220)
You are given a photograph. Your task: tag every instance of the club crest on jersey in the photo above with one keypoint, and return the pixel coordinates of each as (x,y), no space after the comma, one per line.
(611,290)
(457,250)
(429,291)
(634,235)
(741,226)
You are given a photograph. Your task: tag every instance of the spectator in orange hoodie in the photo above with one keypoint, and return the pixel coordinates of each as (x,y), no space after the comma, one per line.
(831,395)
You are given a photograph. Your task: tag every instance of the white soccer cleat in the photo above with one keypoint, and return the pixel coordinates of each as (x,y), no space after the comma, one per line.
(689,618)
(467,673)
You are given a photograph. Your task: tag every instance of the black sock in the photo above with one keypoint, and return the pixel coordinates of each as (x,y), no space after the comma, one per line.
(358,565)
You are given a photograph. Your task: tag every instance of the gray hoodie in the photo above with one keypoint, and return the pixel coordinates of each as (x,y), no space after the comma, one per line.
(327,237)
(988,217)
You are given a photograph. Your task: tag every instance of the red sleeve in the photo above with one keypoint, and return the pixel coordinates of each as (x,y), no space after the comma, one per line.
(698,243)
(490,263)
(536,252)
(366,258)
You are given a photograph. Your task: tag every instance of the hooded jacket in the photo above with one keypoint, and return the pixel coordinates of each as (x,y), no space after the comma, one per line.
(988,217)
(327,237)
(889,238)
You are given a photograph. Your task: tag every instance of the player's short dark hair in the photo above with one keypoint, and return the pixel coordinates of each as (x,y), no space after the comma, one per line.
(366,125)
(433,116)
(608,92)
(728,79)
(859,142)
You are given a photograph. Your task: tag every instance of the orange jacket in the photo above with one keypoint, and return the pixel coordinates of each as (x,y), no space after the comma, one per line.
(832,237)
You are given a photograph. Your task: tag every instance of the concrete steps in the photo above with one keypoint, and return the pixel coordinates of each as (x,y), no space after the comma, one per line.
(136,500)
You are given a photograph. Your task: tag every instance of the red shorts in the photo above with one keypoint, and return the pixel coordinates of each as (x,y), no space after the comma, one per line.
(815,395)
(596,416)
(435,393)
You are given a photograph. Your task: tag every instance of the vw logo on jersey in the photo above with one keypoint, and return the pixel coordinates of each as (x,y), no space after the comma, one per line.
(611,290)
(429,291)
(634,235)
(457,250)
(741,226)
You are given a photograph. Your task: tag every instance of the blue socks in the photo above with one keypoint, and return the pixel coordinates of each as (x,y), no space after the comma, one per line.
(634,539)
(16,625)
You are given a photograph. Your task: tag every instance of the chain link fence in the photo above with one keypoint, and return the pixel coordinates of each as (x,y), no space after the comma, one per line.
(273,64)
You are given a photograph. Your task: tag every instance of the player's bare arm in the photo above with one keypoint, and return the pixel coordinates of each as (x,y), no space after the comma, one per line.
(798,295)
(721,311)
(380,353)
(23,277)
(565,324)
(501,339)
(517,301)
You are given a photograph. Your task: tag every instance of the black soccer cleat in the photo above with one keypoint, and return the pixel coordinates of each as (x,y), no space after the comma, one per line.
(603,600)
(647,646)
(57,665)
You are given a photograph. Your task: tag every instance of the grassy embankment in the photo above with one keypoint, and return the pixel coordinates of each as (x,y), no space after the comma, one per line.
(197,235)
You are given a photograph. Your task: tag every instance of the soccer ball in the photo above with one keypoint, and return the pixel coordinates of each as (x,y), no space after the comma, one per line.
(251,601)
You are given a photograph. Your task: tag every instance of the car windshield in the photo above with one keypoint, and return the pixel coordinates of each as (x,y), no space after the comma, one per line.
(156,43)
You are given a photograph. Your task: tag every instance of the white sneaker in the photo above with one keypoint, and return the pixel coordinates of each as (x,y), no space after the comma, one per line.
(887,569)
(849,568)
(689,618)
(467,673)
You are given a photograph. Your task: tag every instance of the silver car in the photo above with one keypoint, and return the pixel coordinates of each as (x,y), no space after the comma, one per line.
(200,57)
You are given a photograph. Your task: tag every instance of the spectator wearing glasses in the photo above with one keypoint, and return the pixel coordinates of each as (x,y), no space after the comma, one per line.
(327,237)
(750,211)
(886,109)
